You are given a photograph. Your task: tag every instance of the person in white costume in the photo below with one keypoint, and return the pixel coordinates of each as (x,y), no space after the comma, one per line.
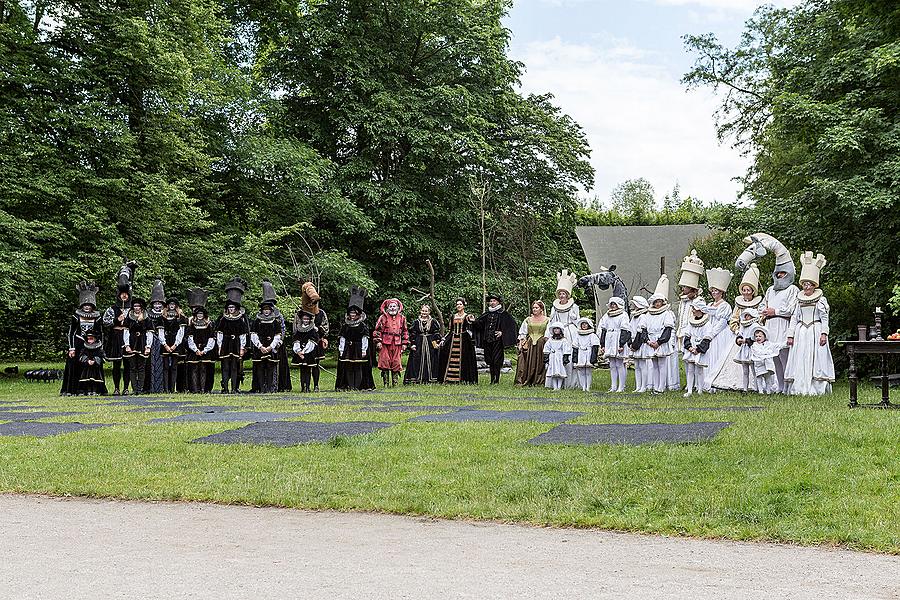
(659,331)
(747,321)
(689,284)
(810,369)
(615,335)
(735,374)
(642,380)
(557,356)
(780,300)
(585,350)
(697,337)
(762,355)
(565,311)
(719,312)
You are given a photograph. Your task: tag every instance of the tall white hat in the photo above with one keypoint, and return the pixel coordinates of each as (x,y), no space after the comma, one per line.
(565,281)
(691,270)
(718,278)
(662,289)
(811,267)
(751,278)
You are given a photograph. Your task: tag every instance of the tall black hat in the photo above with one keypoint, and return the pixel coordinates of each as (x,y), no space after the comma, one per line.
(357,298)
(87,293)
(158,293)
(268,294)
(234,291)
(125,278)
(197,297)
(496,297)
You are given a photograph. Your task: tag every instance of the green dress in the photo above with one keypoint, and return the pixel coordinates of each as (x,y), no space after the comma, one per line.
(530,369)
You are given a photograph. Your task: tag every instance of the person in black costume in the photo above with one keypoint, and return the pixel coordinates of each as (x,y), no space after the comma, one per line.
(424,341)
(497,330)
(170,331)
(155,380)
(306,346)
(266,339)
(91,380)
(354,370)
(114,319)
(138,338)
(85,320)
(310,303)
(456,363)
(232,332)
(201,344)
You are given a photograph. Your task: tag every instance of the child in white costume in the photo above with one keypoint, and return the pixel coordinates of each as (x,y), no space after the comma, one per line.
(689,286)
(762,355)
(697,337)
(557,355)
(642,382)
(615,334)
(585,350)
(747,320)
(810,368)
(659,324)
(566,312)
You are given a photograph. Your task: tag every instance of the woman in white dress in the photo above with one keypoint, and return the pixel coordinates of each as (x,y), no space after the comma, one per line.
(735,373)
(565,311)
(810,368)
(719,312)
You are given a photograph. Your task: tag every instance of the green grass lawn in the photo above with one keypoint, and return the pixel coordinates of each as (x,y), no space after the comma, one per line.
(808,471)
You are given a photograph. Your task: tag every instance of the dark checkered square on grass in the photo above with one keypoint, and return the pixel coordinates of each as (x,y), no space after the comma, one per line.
(631,433)
(30,416)
(177,407)
(45,429)
(292,433)
(412,408)
(540,416)
(249,416)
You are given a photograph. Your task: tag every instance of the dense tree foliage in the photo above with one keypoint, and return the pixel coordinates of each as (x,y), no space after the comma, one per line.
(813,93)
(207,139)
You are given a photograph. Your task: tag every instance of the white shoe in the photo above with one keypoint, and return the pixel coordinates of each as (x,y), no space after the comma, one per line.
(686,394)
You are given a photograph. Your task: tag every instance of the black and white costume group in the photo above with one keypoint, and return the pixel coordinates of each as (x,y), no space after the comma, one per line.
(776,342)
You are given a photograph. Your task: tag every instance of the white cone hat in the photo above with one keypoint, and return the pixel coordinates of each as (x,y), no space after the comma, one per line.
(751,278)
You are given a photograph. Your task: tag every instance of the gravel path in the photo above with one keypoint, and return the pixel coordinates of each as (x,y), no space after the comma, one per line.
(77,548)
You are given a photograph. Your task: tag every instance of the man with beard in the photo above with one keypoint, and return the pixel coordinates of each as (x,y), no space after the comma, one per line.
(391,339)
(232,332)
(497,331)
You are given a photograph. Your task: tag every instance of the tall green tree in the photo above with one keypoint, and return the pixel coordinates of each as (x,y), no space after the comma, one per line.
(813,93)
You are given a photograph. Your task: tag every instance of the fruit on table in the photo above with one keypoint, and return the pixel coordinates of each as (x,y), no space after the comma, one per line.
(895,335)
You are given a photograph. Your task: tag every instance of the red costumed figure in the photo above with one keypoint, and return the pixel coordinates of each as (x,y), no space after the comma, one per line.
(391,338)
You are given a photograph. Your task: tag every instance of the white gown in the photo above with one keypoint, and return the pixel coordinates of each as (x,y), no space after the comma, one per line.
(721,346)
(557,349)
(614,327)
(810,368)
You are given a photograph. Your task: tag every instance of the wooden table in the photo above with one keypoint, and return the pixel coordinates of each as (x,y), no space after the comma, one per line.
(882,347)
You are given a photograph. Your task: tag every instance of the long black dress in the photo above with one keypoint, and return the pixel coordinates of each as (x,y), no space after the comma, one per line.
(91,380)
(422,364)
(80,324)
(284,366)
(354,370)
(457,358)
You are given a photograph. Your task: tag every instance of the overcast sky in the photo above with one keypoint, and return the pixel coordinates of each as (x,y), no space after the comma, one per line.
(615,66)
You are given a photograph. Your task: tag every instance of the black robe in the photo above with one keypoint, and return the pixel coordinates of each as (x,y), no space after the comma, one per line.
(352,359)
(304,337)
(79,325)
(91,378)
(422,364)
(461,335)
(232,328)
(490,322)
(114,345)
(284,366)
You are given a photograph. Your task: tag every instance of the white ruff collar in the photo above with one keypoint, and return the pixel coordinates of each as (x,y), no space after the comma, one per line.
(804,299)
(560,307)
(660,310)
(699,322)
(615,312)
(752,303)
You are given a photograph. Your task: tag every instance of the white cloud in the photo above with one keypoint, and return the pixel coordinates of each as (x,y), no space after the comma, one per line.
(639,119)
